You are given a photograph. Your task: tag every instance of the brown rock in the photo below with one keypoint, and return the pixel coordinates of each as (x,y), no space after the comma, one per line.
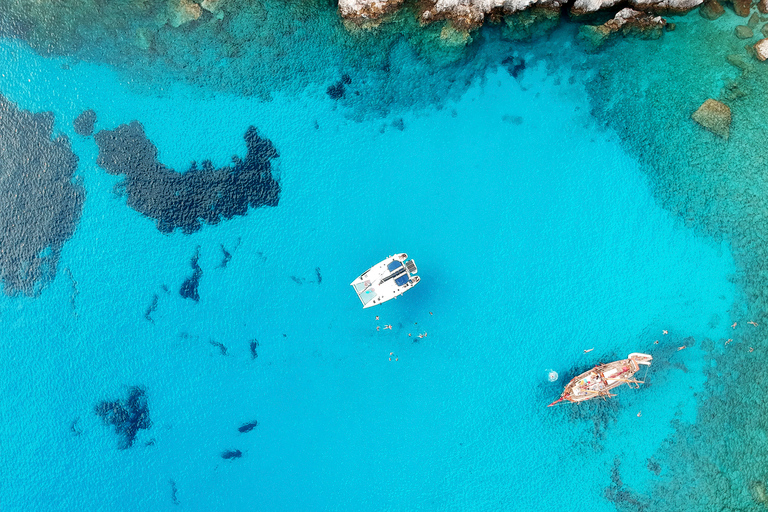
(761,49)
(715,117)
(762,6)
(182,11)
(744,32)
(464,17)
(742,7)
(366,15)
(711,10)
(628,22)
(639,24)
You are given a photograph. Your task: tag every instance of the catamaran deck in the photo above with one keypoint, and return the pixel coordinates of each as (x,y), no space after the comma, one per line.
(386,280)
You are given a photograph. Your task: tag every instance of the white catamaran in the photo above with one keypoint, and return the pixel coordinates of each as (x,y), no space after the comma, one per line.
(386,280)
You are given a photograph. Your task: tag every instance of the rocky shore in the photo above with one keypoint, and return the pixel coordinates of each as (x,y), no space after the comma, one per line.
(641,18)
(470,14)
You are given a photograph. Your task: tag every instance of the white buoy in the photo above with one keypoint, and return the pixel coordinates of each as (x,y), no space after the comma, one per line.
(552,375)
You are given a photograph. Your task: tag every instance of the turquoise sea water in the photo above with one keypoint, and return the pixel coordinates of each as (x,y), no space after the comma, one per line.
(537,237)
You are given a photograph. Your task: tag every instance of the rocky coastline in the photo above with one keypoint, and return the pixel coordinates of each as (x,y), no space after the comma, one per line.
(641,18)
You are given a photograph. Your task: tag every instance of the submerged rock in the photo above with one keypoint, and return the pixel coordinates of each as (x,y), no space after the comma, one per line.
(744,32)
(711,10)
(715,117)
(452,36)
(595,35)
(759,492)
(764,30)
(142,38)
(737,61)
(761,49)
(753,20)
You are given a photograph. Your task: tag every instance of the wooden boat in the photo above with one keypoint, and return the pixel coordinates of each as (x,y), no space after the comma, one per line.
(600,380)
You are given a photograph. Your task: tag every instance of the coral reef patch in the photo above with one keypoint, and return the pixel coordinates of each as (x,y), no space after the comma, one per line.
(231,454)
(174,492)
(254,345)
(84,123)
(225,257)
(188,288)
(41,204)
(199,195)
(151,308)
(247,427)
(127,416)
(625,499)
(75,291)
(220,346)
